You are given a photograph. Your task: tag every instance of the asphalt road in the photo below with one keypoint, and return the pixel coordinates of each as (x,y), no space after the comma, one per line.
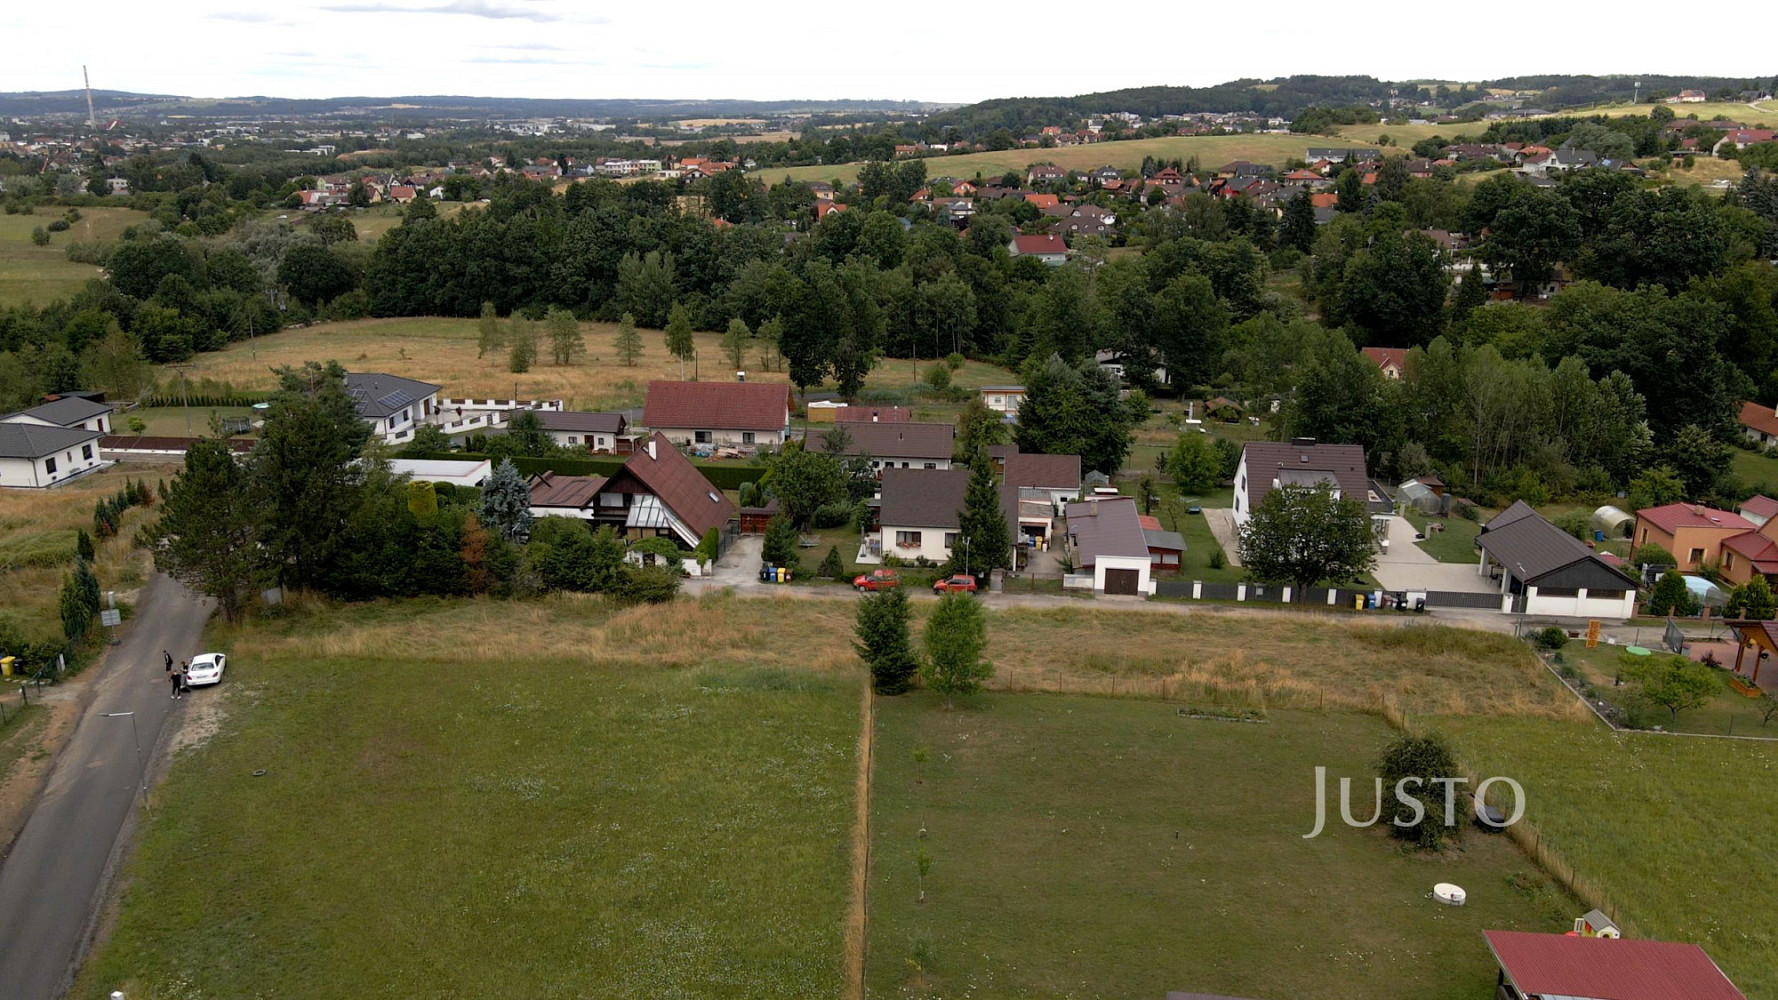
(53,880)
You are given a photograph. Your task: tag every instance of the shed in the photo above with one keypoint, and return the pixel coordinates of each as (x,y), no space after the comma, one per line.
(1562,967)
(755,519)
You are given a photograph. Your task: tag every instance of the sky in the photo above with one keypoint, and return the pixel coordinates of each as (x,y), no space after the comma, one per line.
(700,49)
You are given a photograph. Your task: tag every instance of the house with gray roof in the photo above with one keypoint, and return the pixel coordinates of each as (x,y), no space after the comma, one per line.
(597,432)
(904,445)
(393,406)
(1544,570)
(1106,538)
(37,456)
(1303,462)
(72,412)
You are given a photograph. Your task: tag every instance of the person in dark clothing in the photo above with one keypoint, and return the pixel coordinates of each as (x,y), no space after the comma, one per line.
(184,682)
(169,658)
(178,677)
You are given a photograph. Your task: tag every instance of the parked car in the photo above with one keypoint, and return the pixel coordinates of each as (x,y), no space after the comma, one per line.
(961,582)
(877,579)
(206,669)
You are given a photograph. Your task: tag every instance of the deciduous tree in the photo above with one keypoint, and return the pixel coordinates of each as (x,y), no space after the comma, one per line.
(956,637)
(1303,535)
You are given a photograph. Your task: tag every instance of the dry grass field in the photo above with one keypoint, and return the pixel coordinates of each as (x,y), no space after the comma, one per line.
(40,275)
(1211,150)
(37,534)
(442,351)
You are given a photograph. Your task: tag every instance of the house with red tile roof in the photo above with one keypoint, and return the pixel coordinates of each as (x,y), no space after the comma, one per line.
(1046,247)
(1692,533)
(1042,201)
(719,414)
(657,493)
(1392,360)
(1759,422)
(1571,966)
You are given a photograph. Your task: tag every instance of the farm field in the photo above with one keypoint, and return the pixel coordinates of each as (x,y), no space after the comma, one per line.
(1212,151)
(1747,114)
(1675,830)
(442,351)
(497,826)
(40,275)
(1106,847)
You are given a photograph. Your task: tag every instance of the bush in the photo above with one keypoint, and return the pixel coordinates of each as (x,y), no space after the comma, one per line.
(88,252)
(1426,758)
(1218,560)
(831,567)
(1466,510)
(1550,638)
(649,585)
(833,515)
(58,226)
(1576,522)
(954,361)
(1652,555)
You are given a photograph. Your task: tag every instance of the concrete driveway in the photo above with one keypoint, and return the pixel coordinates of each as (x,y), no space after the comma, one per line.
(1407,566)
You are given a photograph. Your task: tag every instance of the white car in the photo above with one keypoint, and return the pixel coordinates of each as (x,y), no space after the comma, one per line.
(206,668)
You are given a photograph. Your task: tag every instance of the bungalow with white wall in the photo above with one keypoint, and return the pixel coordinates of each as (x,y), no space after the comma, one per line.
(600,433)
(1544,570)
(34,456)
(1106,538)
(70,412)
(393,406)
(709,415)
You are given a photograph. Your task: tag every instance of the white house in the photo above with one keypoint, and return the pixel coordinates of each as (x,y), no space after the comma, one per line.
(33,456)
(1301,462)
(587,431)
(1003,398)
(453,471)
(1544,570)
(1055,477)
(1107,540)
(921,512)
(69,412)
(897,445)
(1047,247)
(393,406)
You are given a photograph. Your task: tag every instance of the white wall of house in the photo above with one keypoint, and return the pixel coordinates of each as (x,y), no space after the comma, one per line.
(723,438)
(584,439)
(911,543)
(909,463)
(399,426)
(36,473)
(1243,508)
(1141,564)
(1578,605)
(1003,402)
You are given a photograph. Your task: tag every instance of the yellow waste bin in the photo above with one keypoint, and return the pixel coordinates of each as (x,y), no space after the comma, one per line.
(1358,602)
(6,665)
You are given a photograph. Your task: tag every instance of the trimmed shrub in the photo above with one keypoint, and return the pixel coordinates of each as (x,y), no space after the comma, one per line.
(1550,638)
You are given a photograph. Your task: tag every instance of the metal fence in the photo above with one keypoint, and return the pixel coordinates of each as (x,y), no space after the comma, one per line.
(1459,599)
(1334,597)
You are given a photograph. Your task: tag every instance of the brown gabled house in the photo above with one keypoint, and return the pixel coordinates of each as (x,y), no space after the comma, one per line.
(657,493)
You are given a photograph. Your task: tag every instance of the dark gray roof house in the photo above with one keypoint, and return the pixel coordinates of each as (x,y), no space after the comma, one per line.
(68,411)
(582,422)
(34,441)
(377,394)
(1539,554)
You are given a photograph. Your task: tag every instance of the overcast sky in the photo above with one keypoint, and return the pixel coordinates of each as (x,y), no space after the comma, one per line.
(723,48)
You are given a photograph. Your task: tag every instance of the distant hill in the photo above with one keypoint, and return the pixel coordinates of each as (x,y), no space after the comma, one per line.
(113,103)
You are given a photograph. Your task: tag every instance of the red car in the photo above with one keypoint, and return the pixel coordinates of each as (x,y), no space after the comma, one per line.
(962,582)
(877,579)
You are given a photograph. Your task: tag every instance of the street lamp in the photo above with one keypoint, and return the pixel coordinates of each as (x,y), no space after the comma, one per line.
(137,735)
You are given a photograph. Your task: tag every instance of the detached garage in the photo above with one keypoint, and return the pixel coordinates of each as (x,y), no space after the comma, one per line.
(1107,540)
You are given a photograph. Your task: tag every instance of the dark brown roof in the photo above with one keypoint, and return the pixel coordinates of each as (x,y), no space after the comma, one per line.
(1058,472)
(923,498)
(912,441)
(581,421)
(1536,551)
(551,490)
(872,414)
(1109,527)
(1344,463)
(669,475)
(743,406)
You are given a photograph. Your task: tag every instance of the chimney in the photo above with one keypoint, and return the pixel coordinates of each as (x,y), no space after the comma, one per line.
(651,447)
(1303,442)
(740,376)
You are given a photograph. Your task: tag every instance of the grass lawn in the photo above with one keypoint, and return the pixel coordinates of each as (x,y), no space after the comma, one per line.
(1212,151)
(1677,831)
(1756,469)
(1101,847)
(1727,713)
(40,275)
(443,351)
(518,826)
(1456,542)
(171,421)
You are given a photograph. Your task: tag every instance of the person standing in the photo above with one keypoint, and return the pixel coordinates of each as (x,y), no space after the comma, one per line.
(169,658)
(184,682)
(178,677)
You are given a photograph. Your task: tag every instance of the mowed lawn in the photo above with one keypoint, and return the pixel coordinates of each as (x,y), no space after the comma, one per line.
(442,350)
(1212,151)
(521,826)
(1090,847)
(40,275)
(1677,831)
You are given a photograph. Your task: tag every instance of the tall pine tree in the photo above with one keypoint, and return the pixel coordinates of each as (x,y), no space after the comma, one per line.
(983,542)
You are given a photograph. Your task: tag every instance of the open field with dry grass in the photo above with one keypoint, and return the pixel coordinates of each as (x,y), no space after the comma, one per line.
(40,275)
(1212,151)
(1747,114)
(37,534)
(442,351)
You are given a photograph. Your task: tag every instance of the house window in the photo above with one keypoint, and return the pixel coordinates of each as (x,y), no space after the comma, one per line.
(951,538)
(703,437)
(746,437)
(907,539)
(86,452)
(1606,595)
(573,440)
(1728,560)
(1697,556)
(49,466)
(1644,537)
(932,465)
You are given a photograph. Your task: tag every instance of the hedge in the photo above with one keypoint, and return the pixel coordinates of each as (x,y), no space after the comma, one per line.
(164,399)
(723,477)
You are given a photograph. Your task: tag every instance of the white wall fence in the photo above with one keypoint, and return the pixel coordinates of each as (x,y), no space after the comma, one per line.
(448,403)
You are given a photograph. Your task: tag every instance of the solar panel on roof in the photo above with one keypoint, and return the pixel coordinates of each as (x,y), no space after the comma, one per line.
(398,398)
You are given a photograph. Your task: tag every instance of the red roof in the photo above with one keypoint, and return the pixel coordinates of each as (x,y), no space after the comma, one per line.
(1042,200)
(1388,357)
(1760,506)
(1324,200)
(1302,175)
(1042,243)
(1689,515)
(1560,965)
(710,406)
(1755,548)
(669,475)
(1760,417)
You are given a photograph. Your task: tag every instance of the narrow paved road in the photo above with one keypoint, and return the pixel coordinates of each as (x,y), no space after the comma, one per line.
(53,880)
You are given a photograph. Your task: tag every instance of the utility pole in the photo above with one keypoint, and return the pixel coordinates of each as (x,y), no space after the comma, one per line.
(142,785)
